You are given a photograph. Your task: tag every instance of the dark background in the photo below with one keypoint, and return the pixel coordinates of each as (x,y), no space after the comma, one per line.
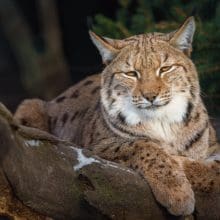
(81,55)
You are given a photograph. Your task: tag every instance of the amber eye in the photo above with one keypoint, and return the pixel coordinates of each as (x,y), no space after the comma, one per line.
(132,74)
(164,69)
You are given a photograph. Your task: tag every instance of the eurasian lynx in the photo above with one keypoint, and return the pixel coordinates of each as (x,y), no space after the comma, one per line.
(144,110)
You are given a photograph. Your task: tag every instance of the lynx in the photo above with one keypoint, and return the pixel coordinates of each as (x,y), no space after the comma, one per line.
(144,111)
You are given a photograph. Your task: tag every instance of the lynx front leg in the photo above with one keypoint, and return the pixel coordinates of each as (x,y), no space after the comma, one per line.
(204,175)
(163,173)
(165,176)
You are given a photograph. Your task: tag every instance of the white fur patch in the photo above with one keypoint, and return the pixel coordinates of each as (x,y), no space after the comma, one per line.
(158,121)
(160,129)
(170,113)
(124,106)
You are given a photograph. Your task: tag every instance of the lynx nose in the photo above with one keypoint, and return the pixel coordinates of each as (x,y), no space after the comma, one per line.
(150,96)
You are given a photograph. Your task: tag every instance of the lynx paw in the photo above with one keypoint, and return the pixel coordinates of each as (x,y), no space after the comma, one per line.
(178,200)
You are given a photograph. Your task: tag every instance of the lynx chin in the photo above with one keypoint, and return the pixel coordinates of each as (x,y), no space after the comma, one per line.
(144,110)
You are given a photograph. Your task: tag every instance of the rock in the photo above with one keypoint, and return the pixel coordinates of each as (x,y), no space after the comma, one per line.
(61,181)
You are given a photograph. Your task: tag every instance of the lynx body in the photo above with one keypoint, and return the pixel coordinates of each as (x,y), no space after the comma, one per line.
(144,111)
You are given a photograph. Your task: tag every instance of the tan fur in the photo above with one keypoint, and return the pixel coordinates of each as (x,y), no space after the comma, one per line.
(112,113)
(32,113)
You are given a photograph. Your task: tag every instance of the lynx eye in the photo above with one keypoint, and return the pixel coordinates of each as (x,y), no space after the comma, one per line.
(165,69)
(131,74)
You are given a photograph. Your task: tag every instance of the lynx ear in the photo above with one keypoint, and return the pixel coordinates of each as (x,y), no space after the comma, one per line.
(108,48)
(183,37)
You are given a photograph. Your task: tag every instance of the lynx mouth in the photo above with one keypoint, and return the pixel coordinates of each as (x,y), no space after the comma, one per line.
(152,106)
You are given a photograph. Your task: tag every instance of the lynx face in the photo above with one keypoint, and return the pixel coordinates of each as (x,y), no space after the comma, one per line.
(149,77)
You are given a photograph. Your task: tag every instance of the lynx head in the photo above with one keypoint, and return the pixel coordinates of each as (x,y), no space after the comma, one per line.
(149,76)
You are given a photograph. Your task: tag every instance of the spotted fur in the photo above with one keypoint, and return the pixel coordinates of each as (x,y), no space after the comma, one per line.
(144,110)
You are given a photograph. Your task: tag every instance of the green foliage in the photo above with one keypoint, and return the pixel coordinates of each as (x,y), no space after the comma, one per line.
(142,16)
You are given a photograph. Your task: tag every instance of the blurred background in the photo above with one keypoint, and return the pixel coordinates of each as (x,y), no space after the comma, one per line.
(45,47)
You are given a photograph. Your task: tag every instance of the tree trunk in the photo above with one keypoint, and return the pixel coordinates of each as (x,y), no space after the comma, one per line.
(38,66)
